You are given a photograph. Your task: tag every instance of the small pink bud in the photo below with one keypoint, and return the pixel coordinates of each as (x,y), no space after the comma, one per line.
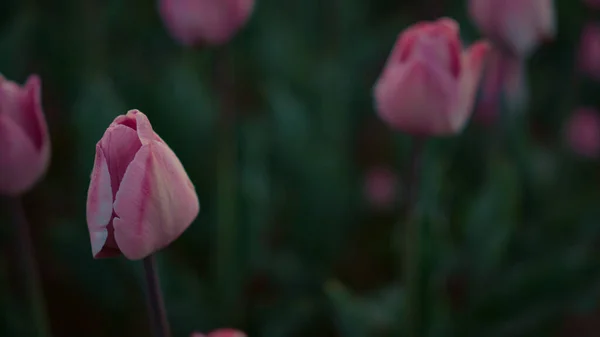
(589,52)
(517,25)
(503,84)
(194,22)
(221,333)
(380,187)
(24,139)
(429,83)
(140,198)
(583,132)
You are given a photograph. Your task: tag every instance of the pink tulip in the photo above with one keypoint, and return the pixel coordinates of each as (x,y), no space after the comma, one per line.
(193,22)
(429,83)
(24,139)
(518,26)
(380,187)
(589,53)
(221,333)
(503,83)
(140,198)
(583,132)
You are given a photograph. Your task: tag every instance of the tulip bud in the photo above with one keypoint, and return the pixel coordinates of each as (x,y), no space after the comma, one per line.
(518,26)
(140,198)
(589,52)
(503,81)
(193,22)
(24,139)
(221,333)
(429,83)
(583,132)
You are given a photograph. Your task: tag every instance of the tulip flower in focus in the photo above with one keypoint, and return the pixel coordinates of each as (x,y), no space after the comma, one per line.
(517,26)
(429,82)
(140,198)
(24,139)
(221,333)
(504,77)
(380,187)
(194,22)
(589,53)
(583,132)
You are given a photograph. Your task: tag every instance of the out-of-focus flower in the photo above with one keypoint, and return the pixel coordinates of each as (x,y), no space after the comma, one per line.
(194,22)
(429,83)
(517,26)
(140,198)
(589,52)
(593,3)
(503,84)
(583,132)
(381,185)
(24,139)
(221,333)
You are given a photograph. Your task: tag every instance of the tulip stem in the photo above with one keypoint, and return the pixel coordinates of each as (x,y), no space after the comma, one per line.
(156,304)
(28,269)
(412,243)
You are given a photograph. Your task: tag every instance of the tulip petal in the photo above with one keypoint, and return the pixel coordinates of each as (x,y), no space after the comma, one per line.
(416,99)
(120,143)
(155,203)
(473,60)
(19,159)
(226,333)
(99,203)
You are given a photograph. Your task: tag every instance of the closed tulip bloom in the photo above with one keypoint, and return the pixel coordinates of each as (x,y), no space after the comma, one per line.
(214,22)
(221,333)
(429,83)
(518,26)
(24,139)
(583,132)
(140,198)
(589,52)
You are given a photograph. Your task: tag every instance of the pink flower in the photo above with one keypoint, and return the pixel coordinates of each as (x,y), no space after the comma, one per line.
(429,83)
(221,333)
(380,187)
(140,198)
(589,52)
(193,22)
(516,25)
(503,83)
(583,132)
(24,139)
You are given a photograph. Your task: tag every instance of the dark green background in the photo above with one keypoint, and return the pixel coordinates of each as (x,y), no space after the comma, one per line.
(511,224)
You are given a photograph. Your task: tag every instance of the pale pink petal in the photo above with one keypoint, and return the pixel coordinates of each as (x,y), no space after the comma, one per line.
(473,62)
(20,166)
(99,203)
(155,203)
(226,333)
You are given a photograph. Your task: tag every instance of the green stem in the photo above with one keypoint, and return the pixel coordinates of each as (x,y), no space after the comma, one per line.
(412,243)
(156,305)
(226,249)
(28,269)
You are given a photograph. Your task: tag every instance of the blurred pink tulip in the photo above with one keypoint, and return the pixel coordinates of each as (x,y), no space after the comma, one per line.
(503,82)
(589,52)
(194,22)
(583,132)
(518,26)
(380,187)
(140,198)
(221,333)
(429,83)
(24,139)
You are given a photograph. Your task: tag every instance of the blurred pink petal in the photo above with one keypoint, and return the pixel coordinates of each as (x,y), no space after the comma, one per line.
(583,132)
(140,198)
(381,185)
(24,139)
(589,52)
(429,83)
(518,26)
(226,332)
(194,22)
